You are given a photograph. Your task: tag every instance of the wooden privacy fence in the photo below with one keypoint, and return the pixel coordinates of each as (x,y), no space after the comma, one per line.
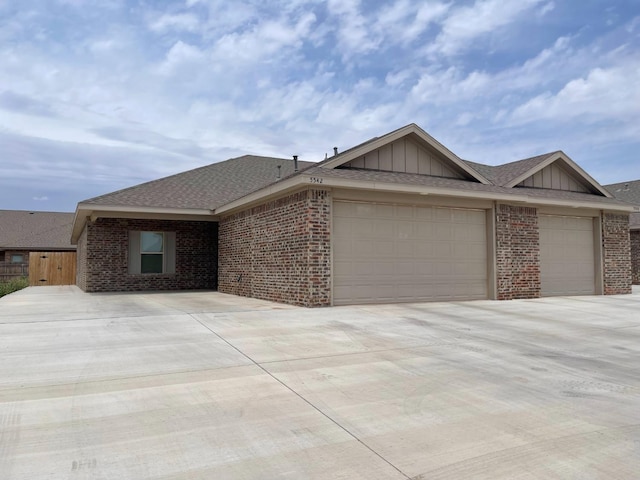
(52,268)
(11,271)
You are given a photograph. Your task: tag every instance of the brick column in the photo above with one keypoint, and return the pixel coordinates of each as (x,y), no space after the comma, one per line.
(635,257)
(517,252)
(616,246)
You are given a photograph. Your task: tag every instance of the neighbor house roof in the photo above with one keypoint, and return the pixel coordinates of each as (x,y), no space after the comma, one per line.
(31,230)
(628,192)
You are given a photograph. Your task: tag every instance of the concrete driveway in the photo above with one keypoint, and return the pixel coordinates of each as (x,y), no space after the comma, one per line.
(202,385)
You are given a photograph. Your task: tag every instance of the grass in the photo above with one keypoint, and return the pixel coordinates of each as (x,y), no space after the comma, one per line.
(13,286)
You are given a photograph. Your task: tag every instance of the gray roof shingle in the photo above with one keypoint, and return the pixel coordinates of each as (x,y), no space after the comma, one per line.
(502,174)
(441,182)
(206,187)
(628,192)
(31,230)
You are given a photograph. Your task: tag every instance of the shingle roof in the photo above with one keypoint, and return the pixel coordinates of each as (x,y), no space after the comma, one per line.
(502,174)
(203,188)
(628,192)
(441,182)
(30,230)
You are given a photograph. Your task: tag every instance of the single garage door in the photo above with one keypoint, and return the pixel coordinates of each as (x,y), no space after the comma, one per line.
(386,253)
(567,255)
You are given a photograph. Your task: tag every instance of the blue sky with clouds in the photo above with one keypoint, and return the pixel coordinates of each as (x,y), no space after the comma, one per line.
(97,95)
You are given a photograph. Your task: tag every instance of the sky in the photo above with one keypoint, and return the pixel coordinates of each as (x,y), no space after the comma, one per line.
(99,95)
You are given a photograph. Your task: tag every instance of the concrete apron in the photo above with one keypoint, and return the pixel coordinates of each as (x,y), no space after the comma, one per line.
(202,385)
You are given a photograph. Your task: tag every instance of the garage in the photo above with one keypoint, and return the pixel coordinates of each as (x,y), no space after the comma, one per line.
(567,255)
(386,253)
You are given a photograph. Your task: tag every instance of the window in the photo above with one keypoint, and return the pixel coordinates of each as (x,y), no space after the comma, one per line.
(17,258)
(152,252)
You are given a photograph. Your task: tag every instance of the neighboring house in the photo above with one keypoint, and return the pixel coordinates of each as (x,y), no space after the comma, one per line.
(48,233)
(398,218)
(630,192)
(22,232)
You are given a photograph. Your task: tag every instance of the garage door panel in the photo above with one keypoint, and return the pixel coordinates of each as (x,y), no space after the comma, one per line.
(408,253)
(567,255)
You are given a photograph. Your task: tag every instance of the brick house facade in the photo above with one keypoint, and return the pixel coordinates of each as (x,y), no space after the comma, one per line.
(103,256)
(263,227)
(279,251)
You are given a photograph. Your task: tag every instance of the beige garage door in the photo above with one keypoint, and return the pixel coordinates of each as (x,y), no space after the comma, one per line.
(567,255)
(398,253)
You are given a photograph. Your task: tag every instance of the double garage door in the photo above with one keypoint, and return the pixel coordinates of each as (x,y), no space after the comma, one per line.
(402,253)
(385,253)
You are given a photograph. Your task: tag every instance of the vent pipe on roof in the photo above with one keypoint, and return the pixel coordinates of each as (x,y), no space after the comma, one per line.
(295,163)
(279,172)
(335,151)
(626,187)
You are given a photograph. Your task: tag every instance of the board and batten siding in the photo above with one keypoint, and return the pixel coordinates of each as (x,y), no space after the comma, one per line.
(554,177)
(404,156)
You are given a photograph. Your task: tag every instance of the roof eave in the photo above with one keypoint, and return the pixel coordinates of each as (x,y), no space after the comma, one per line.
(306,180)
(89,211)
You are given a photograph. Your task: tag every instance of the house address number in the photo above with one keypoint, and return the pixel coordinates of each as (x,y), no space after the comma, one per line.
(315,179)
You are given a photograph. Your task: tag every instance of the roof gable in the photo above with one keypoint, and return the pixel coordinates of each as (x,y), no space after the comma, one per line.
(406,150)
(405,156)
(555,177)
(554,171)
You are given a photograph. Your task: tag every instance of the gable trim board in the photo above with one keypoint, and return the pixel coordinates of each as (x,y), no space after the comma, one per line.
(572,166)
(327,235)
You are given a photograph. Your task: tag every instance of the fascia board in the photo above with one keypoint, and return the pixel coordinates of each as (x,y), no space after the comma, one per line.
(573,165)
(398,134)
(452,192)
(305,180)
(87,210)
(133,209)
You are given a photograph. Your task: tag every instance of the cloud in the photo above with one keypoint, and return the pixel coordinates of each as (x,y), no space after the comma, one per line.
(16,102)
(40,199)
(176,22)
(266,41)
(353,34)
(603,94)
(404,21)
(179,55)
(466,24)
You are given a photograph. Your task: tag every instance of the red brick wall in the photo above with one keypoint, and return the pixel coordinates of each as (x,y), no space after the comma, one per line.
(279,251)
(103,265)
(635,257)
(616,245)
(517,252)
